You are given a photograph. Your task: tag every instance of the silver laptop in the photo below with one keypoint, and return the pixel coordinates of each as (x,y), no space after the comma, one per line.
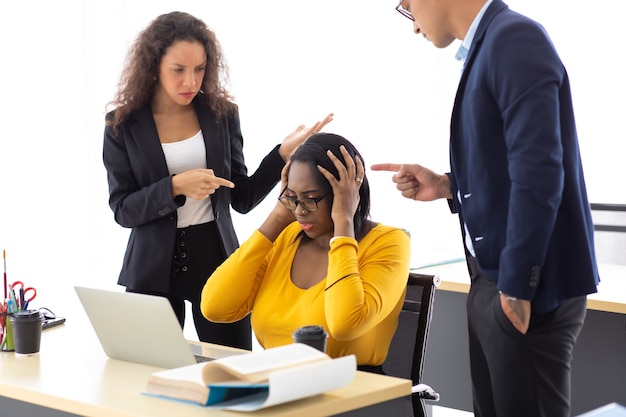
(138,328)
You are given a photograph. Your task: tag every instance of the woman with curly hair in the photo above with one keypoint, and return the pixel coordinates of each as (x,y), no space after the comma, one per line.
(173,151)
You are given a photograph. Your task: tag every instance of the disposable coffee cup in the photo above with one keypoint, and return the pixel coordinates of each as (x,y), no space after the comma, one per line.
(311,335)
(26,327)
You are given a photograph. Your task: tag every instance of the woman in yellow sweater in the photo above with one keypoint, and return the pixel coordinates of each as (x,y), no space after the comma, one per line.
(318,260)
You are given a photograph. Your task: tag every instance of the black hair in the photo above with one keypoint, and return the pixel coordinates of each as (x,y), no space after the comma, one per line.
(313,152)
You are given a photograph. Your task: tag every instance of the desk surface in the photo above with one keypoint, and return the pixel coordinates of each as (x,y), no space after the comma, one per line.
(611,295)
(73,375)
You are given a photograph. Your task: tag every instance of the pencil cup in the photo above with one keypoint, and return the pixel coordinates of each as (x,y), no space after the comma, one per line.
(311,335)
(6,343)
(26,326)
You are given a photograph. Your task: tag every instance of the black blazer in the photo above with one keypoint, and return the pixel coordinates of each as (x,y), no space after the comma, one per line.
(516,164)
(140,190)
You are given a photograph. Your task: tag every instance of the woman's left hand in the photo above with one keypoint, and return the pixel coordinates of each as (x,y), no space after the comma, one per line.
(346,196)
(298,136)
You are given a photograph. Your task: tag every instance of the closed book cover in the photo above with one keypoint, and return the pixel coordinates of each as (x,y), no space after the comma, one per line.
(254,380)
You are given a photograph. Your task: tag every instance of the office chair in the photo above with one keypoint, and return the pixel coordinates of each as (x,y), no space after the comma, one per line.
(408,346)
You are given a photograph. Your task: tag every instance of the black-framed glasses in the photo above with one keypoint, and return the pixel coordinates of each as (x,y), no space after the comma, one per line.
(404,12)
(309,204)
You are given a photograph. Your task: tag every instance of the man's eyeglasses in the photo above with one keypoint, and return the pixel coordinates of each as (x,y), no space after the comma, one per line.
(309,204)
(404,12)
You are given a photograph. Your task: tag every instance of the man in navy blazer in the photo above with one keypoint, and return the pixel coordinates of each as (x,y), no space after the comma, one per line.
(517,183)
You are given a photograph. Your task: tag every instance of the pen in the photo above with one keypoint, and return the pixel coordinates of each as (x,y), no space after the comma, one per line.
(13,300)
(4,257)
(3,319)
(4,311)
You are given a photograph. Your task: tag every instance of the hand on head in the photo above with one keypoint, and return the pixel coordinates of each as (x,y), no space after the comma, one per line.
(298,136)
(326,160)
(416,182)
(345,189)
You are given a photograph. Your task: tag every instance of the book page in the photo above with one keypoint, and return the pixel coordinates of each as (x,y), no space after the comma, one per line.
(298,382)
(191,373)
(255,366)
(184,383)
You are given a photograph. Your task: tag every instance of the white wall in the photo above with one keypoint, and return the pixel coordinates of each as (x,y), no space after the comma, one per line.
(291,62)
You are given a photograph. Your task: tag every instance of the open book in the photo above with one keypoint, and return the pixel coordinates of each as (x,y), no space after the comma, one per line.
(255,380)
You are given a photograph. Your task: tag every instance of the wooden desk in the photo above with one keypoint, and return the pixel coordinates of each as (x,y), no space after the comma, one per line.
(599,364)
(72,376)
(611,295)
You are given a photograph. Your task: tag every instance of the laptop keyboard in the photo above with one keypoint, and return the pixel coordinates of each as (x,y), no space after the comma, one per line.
(200,358)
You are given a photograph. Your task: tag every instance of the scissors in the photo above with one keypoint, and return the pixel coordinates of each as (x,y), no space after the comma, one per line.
(25,294)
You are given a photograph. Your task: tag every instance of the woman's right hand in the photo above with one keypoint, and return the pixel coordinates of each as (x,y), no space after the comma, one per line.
(280,217)
(300,135)
(198,183)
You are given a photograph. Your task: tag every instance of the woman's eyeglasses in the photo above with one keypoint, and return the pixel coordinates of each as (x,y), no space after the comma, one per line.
(404,12)
(309,204)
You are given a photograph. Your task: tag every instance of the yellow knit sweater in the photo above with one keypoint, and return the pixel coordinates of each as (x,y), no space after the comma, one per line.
(358,303)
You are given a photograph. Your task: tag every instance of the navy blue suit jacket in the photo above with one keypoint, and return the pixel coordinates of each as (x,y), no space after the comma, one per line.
(516,166)
(140,189)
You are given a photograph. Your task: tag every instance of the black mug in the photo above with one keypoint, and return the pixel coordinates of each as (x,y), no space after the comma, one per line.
(311,335)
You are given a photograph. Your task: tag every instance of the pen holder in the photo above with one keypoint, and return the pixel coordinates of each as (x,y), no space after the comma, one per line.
(6,345)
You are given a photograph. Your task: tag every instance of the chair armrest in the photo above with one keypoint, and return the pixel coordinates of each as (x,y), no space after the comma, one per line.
(425,392)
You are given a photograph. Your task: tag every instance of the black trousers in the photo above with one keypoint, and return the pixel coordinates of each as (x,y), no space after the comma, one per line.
(515,374)
(197,254)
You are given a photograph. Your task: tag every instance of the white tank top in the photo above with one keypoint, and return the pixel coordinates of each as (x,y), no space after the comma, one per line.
(183,156)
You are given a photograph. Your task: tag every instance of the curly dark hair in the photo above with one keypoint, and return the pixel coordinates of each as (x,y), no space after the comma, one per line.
(140,75)
(313,153)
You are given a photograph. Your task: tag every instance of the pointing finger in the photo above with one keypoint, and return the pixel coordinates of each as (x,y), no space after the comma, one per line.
(386,167)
